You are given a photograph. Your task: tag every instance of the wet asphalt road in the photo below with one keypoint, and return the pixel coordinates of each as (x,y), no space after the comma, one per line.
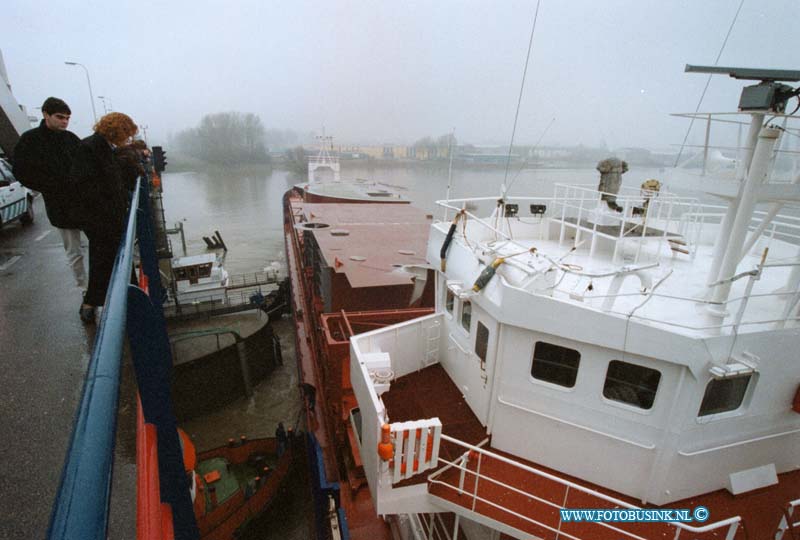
(44,352)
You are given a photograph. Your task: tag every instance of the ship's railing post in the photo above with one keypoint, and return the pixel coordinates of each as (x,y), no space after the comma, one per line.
(563,505)
(563,232)
(577,239)
(477,480)
(462,465)
(732,531)
(787,523)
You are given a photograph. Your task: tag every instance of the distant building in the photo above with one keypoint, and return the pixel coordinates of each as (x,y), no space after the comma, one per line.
(486,155)
(390,151)
(487,159)
(548,152)
(635,156)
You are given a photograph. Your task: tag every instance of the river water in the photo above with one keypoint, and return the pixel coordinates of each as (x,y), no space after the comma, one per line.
(245,206)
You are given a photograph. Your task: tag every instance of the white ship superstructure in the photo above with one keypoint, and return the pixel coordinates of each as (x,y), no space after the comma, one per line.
(585,354)
(199,278)
(324,167)
(326,185)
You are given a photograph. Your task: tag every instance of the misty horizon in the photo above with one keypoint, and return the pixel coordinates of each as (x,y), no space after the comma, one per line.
(608,73)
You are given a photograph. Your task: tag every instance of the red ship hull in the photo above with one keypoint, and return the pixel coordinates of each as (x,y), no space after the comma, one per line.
(343,285)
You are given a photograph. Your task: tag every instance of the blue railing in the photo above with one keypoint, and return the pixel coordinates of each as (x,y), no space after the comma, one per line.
(81,505)
(80,510)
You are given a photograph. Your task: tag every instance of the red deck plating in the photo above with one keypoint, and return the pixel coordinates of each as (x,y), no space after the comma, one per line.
(344,264)
(410,398)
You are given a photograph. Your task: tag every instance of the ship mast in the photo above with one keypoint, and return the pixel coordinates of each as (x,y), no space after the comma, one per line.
(768,96)
(324,167)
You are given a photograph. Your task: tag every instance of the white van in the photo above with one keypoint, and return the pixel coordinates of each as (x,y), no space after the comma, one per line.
(16,201)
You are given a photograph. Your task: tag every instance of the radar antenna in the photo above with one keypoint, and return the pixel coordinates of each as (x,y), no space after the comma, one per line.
(768,95)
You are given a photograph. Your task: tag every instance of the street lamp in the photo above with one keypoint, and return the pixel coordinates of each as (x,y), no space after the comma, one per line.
(89,82)
(108,108)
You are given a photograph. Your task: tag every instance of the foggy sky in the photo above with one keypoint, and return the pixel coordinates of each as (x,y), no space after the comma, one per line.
(395,71)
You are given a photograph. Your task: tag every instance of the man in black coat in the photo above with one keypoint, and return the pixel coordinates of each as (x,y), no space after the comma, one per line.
(42,162)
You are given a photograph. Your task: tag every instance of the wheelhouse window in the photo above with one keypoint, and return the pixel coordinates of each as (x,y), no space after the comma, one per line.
(555,364)
(482,342)
(631,384)
(723,395)
(449,301)
(466,314)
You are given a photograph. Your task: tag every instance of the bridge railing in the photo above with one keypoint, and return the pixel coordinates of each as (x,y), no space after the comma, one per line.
(81,506)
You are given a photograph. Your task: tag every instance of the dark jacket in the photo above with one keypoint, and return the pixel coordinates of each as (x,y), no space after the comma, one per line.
(130,164)
(42,161)
(96,175)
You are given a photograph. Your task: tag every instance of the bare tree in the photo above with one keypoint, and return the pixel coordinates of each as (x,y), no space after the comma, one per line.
(226,138)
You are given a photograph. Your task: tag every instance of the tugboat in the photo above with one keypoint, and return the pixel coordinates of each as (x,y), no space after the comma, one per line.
(235,483)
(601,364)
(199,278)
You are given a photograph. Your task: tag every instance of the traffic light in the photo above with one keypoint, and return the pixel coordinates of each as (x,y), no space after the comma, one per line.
(159,159)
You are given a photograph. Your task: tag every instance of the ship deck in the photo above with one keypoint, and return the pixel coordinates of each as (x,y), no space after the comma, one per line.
(677,297)
(354,191)
(365,244)
(430,392)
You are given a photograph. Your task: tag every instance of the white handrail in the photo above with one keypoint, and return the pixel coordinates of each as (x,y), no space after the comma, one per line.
(732,523)
(788,228)
(786,523)
(709,327)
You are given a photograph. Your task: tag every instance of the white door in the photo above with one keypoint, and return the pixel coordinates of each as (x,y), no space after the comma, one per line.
(474,365)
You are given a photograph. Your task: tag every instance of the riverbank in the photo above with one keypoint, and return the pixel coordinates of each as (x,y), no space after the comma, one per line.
(179,162)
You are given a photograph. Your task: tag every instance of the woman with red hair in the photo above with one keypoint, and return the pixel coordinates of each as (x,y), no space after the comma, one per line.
(104,202)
